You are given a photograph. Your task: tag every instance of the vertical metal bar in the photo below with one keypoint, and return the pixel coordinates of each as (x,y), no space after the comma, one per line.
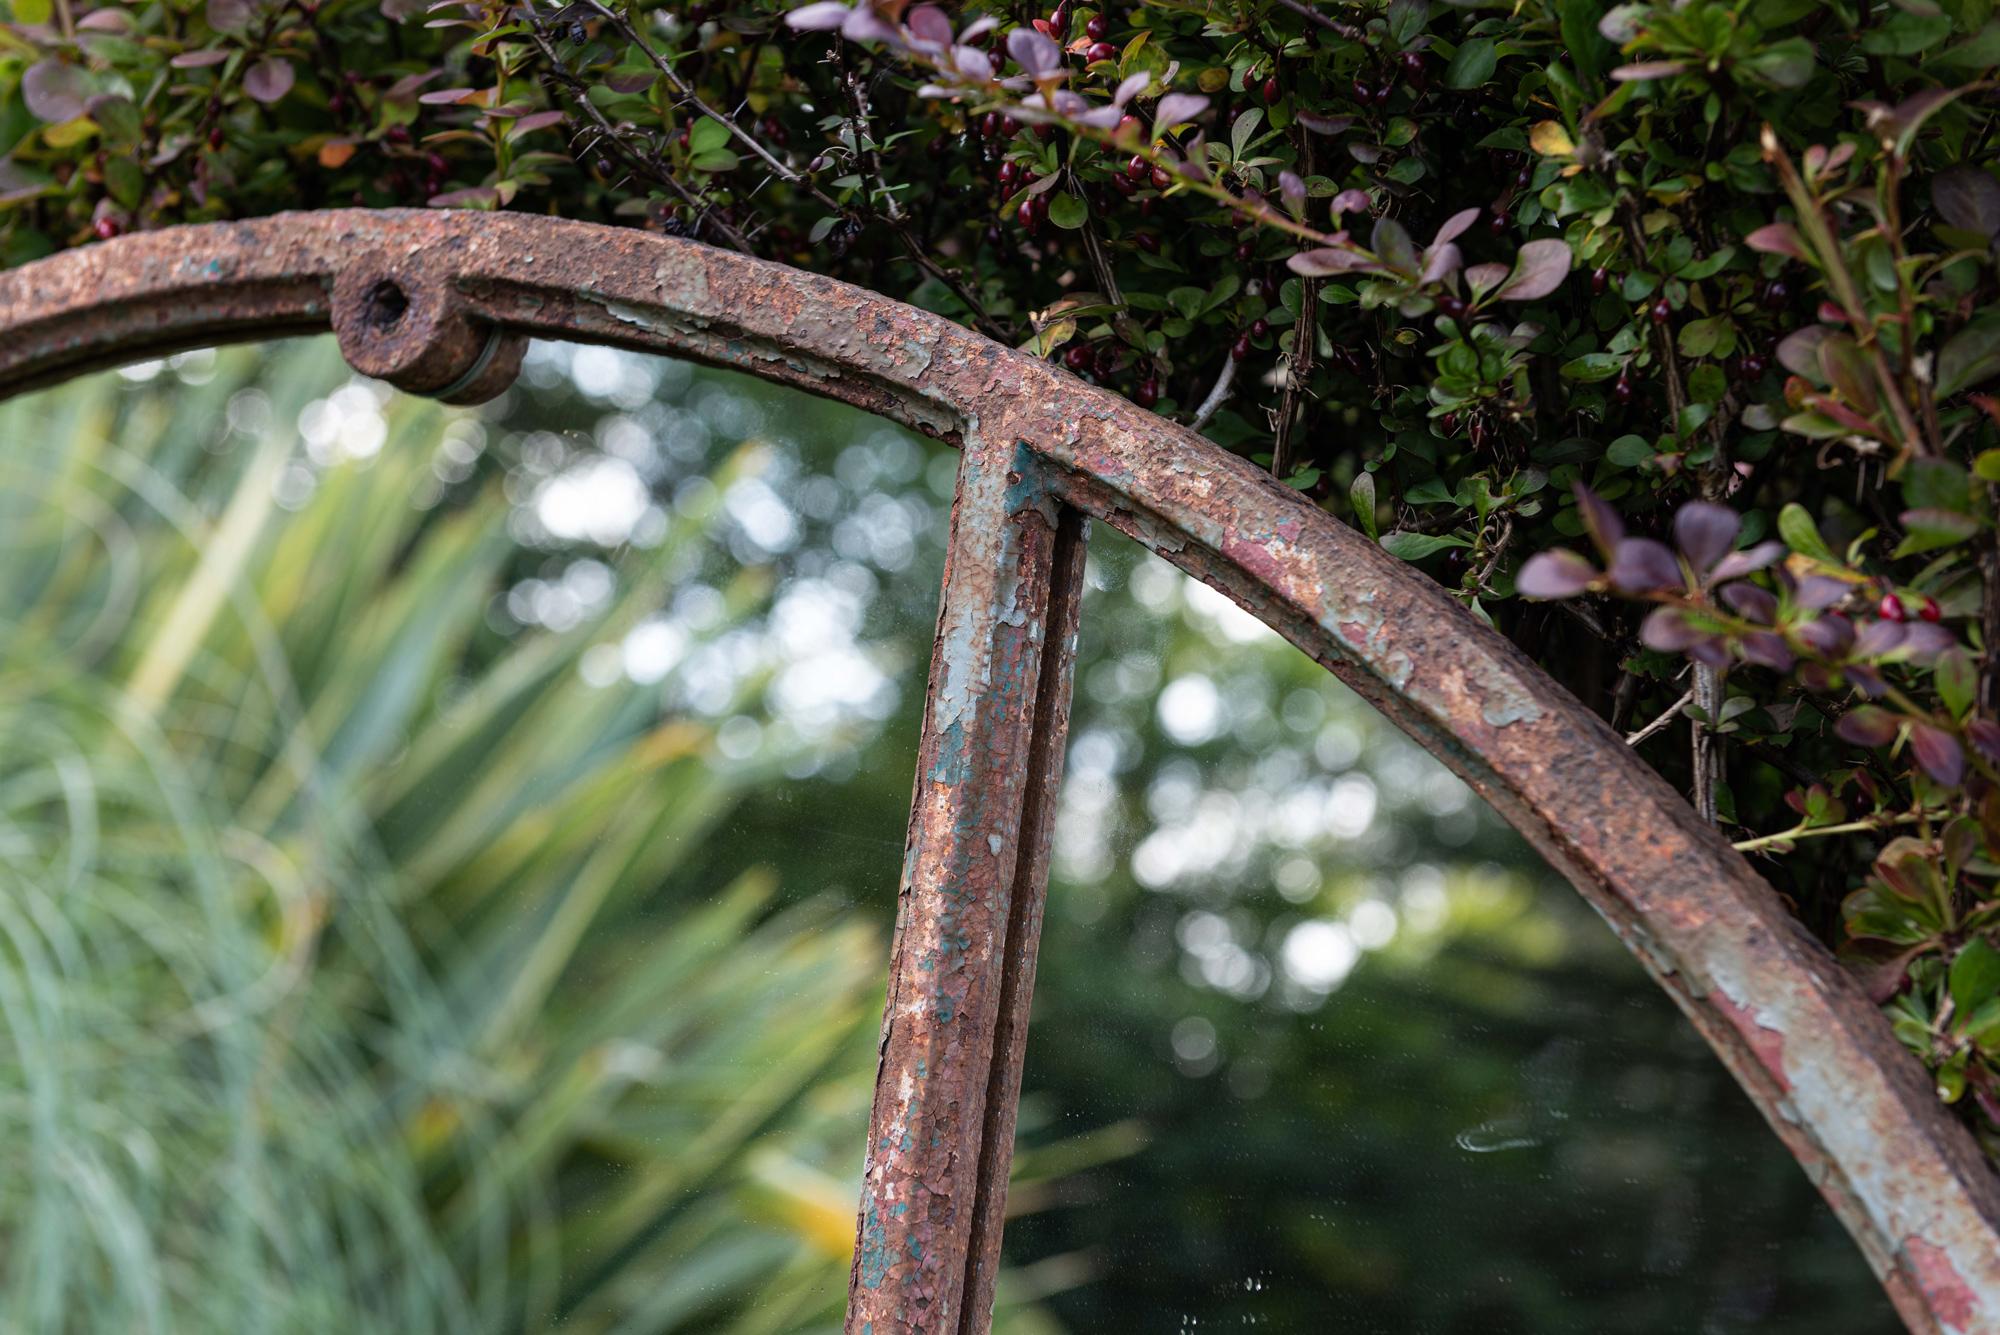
(970,905)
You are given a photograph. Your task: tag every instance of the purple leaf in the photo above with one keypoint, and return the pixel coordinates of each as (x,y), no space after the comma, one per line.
(928,24)
(1868,725)
(1538,270)
(1939,753)
(1130,87)
(1328,260)
(1877,638)
(1984,734)
(1176,108)
(1738,564)
(446,97)
(1455,226)
(1440,262)
(195,60)
(229,15)
(1817,591)
(1621,23)
(1704,531)
(1037,54)
(1748,600)
(1606,529)
(1350,201)
(1866,680)
(538,120)
(972,63)
(1967,197)
(1640,565)
(54,91)
(399,10)
(1293,187)
(269,79)
(1924,642)
(1766,649)
(1327,125)
(1778,238)
(865,25)
(824,16)
(1648,69)
(1669,630)
(1798,351)
(1554,574)
(1829,636)
(1483,278)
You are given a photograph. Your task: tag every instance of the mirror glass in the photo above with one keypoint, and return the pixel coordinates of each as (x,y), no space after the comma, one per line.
(448,854)
(1320,1045)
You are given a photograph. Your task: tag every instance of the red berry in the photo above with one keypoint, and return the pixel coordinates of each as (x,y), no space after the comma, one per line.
(1363,93)
(1097,29)
(1162,178)
(1125,185)
(1129,126)
(1259,328)
(1599,280)
(1245,249)
(1271,90)
(1009,127)
(1663,311)
(1413,65)
(989,124)
(1009,173)
(216,139)
(1930,611)
(1448,424)
(1891,607)
(106,228)
(1138,168)
(1026,213)
(1101,51)
(1241,347)
(1059,20)
(1148,392)
(1384,92)
(1751,365)
(1776,294)
(1622,390)
(1451,305)
(1077,356)
(1147,241)
(1106,361)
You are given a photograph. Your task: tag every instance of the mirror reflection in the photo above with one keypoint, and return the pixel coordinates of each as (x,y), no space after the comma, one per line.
(1326,1048)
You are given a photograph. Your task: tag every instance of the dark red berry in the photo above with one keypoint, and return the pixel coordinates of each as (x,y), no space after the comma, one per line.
(1448,424)
(106,228)
(1663,311)
(1751,365)
(1130,126)
(1599,280)
(1412,63)
(1101,51)
(1147,241)
(1622,390)
(1891,607)
(1271,90)
(1363,93)
(1009,127)
(1009,174)
(216,138)
(1451,305)
(337,104)
(1776,294)
(1245,249)
(1259,328)
(1125,185)
(398,134)
(1478,432)
(1523,178)
(1241,347)
(1027,214)
(1138,168)
(1045,132)
(1148,392)
(1059,20)
(1498,223)
(1097,29)
(1162,178)
(1384,92)
(1930,611)
(989,124)
(1106,361)
(1077,356)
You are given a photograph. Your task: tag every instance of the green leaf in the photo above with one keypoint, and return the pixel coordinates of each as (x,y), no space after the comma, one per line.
(1472,64)
(1789,64)
(1796,527)
(1975,976)
(1416,546)
(1629,451)
(1931,529)
(1707,383)
(1067,211)
(33,11)
(1986,467)
(705,134)
(1592,366)
(1362,496)
(1957,680)
(1906,34)
(1969,356)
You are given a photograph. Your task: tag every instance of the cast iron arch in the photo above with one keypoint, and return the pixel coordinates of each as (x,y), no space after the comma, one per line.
(442,303)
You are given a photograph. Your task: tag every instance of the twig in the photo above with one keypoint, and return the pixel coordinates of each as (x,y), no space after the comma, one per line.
(1846,827)
(1298,366)
(1211,405)
(1307,11)
(1672,712)
(1499,552)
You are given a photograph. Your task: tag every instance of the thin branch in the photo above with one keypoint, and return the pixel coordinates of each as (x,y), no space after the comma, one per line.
(1211,405)
(1671,713)
(1499,552)
(1846,827)
(1305,337)
(1307,11)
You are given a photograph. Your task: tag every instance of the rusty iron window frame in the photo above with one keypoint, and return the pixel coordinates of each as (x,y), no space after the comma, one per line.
(443,303)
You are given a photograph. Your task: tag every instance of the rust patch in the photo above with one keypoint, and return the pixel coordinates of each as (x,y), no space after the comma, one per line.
(1952,1301)
(1768,1044)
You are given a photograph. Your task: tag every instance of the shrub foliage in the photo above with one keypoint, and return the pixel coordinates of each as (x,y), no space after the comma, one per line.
(1661,332)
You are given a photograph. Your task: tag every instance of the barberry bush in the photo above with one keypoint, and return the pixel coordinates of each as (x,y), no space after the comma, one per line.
(1663,333)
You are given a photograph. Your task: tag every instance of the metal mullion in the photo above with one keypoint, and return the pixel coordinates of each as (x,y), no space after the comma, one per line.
(969,912)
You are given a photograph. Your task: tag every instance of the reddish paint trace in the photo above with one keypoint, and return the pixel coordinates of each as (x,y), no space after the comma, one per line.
(1817,1057)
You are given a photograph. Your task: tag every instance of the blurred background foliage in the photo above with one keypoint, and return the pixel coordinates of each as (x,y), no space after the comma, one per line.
(448,859)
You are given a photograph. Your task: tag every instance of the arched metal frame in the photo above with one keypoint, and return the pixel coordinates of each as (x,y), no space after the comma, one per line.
(442,303)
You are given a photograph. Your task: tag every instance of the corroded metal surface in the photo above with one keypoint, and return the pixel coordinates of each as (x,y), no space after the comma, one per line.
(1795,1030)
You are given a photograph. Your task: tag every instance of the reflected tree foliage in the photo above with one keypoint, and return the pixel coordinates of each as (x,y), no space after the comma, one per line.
(449,860)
